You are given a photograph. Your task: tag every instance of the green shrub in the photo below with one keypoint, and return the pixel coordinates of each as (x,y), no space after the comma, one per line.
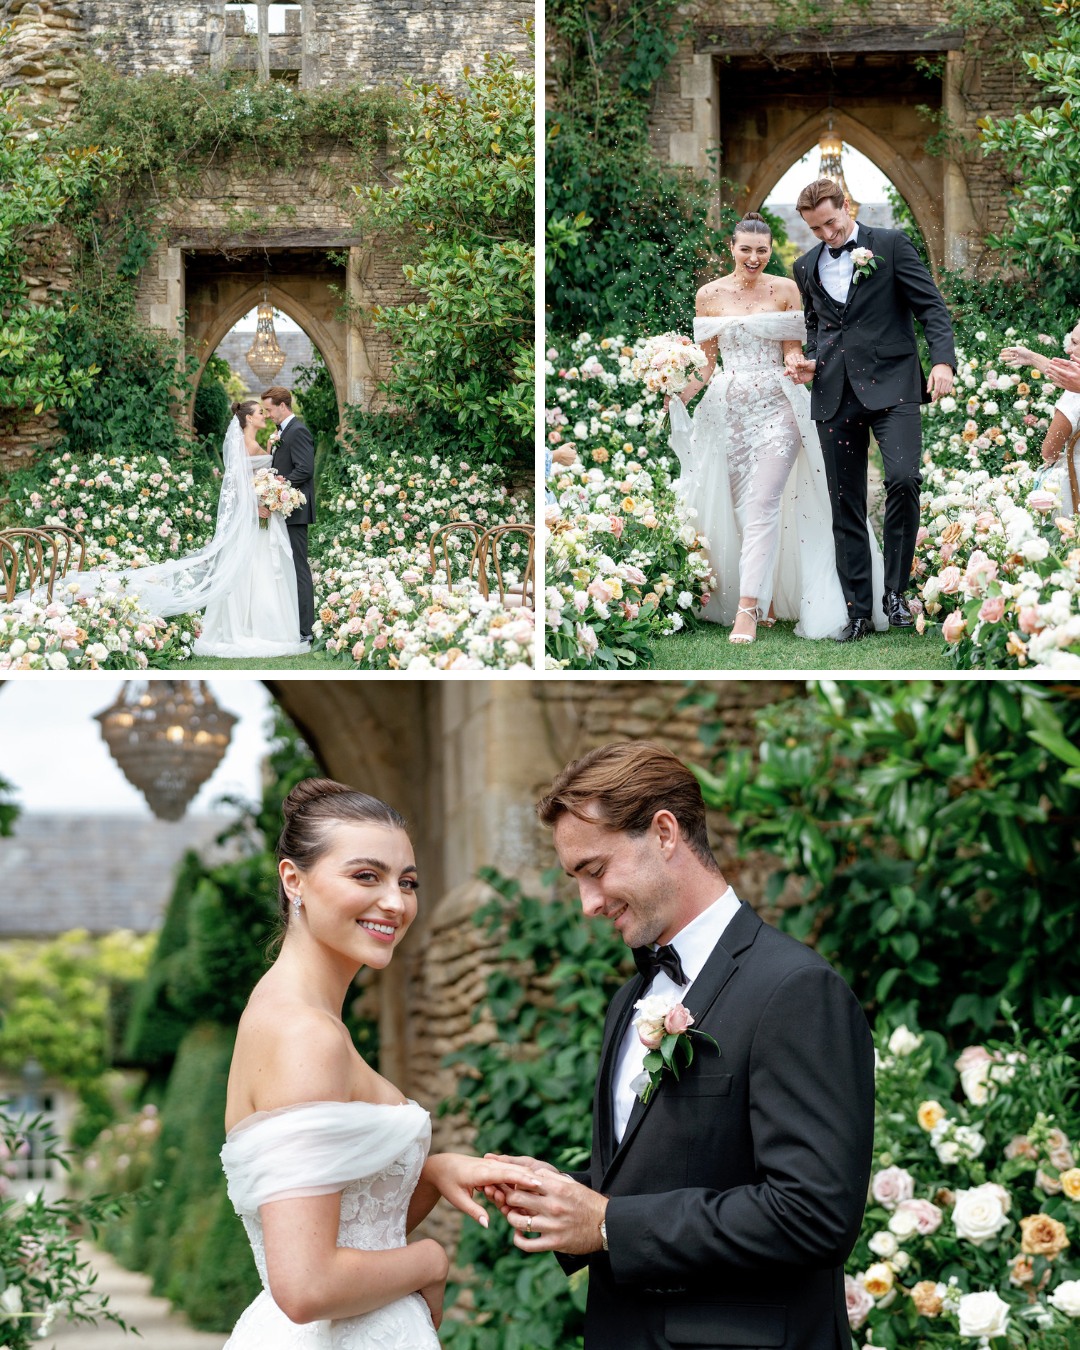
(224,1279)
(213,407)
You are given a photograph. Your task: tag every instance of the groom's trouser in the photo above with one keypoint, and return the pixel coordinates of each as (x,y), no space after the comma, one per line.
(305,591)
(845,445)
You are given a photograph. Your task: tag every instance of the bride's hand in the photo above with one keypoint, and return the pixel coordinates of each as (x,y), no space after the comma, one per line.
(456,1176)
(1018,356)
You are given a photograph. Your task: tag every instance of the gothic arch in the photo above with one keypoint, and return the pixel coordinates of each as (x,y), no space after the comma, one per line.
(203,339)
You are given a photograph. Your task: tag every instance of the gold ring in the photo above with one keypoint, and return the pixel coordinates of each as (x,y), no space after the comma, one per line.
(528,1227)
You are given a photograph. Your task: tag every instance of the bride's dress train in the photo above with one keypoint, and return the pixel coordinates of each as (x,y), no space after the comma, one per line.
(372,1155)
(752,468)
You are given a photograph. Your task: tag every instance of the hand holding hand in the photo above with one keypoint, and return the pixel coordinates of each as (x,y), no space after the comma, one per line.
(497,1193)
(562,1216)
(940,382)
(563,454)
(1065,374)
(456,1176)
(799,368)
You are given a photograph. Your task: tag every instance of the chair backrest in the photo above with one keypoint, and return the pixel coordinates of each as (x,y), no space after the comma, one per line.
(489,552)
(1070,459)
(442,535)
(28,547)
(9,568)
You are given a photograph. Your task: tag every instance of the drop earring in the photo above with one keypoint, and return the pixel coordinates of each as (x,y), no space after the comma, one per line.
(297,903)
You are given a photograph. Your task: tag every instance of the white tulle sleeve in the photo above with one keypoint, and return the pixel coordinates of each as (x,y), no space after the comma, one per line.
(314,1148)
(787,325)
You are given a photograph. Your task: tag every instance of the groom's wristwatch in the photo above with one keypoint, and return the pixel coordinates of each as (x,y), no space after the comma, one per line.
(603,1234)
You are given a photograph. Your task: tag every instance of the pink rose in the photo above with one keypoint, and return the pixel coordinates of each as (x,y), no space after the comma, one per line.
(891,1185)
(927,1216)
(1028,620)
(922,536)
(1042,501)
(952,630)
(946,551)
(949,577)
(859,1303)
(970,1056)
(617,524)
(992,609)
(678,1020)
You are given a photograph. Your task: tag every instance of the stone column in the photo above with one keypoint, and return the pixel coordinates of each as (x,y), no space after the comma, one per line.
(166,288)
(360,378)
(963,237)
(697,91)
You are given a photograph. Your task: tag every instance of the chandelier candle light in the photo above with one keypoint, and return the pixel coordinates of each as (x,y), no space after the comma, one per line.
(168,737)
(265,356)
(831,146)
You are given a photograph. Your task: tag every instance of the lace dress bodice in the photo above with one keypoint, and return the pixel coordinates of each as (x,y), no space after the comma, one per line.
(307,1150)
(750,345)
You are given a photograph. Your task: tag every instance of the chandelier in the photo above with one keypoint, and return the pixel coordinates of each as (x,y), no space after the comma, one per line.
(168,737)
(265,356)
(831,146)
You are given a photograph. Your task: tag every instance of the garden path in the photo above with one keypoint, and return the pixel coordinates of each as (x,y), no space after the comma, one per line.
(129,1295)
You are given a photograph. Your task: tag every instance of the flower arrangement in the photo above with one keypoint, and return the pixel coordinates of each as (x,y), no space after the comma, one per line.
(625,562)
(664,364)
(972,1227)
(276,494)
(865,261)
(664,1027)
(42,1276)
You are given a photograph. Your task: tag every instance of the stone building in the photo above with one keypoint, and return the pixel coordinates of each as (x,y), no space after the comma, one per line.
(746,96)
(246,224)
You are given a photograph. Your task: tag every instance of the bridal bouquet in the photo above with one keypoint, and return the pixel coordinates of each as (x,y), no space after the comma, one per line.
(665,364)
(276,494)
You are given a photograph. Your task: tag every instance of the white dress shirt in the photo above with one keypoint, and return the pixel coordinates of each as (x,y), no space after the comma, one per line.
(283,425)
(694,943)
(835,273)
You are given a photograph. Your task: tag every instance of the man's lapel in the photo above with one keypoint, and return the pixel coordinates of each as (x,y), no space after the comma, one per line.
(609,1051)
(718,969)
(815,280)
(864,240)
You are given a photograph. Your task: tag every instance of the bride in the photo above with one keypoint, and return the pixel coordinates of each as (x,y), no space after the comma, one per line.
(751,463)
(243,578)
(327,1163)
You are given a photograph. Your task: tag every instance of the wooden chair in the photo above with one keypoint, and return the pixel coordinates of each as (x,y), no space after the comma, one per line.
(44,554)
(442,535)
(524,592)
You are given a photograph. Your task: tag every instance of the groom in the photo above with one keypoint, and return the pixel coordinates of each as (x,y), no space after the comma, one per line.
(720,1213)
(294,459)
(861,288)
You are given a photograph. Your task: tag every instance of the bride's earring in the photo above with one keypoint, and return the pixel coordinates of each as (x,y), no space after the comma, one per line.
(297,902)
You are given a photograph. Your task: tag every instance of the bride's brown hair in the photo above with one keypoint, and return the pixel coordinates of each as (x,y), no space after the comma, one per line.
(310,809)
(752,223)
(242,411)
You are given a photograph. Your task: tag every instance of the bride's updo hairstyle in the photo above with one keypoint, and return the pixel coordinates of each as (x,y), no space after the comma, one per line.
(752,223)
(311,809)
(242,411)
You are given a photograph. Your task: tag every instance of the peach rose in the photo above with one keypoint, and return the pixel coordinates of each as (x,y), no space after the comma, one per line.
(926,1298)
(952,630)
(992,609)
(1028,620)
(949,579)
(1042,1236)
(1070,1183)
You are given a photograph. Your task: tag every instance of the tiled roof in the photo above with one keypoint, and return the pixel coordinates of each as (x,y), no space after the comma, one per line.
(95,872)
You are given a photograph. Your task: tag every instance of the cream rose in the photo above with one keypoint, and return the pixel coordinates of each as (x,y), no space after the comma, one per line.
(1042,1236)
(1070,1183)
(930,1114)
(649,1023)
(904,1042)
(878,1279)
(926,1215)
(883,1244)
(979,1214)
(926,1295)
(902,1223)
(984,1315)
(1066,1298)
(891,1185)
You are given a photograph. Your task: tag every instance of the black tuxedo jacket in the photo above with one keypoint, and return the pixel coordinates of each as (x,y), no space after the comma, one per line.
(871,338)
(294,459)
(736,1195)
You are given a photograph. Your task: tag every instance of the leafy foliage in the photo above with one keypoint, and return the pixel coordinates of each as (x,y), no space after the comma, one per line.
(316,401)
(9,809)
(528,1090)
(213,407)
(932,831)
(462,210)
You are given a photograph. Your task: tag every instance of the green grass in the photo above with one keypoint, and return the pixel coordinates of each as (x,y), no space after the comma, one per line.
(779,649)
(309,661)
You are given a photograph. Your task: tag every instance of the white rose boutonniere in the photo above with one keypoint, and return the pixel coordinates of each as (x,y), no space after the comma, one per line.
(865,260)
(663,1027)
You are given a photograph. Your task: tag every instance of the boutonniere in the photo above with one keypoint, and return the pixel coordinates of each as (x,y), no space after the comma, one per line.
(273,439)
(865,260)
(663,1027)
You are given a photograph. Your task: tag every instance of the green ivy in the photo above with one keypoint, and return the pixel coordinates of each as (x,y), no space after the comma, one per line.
(528,1090)
(931,832)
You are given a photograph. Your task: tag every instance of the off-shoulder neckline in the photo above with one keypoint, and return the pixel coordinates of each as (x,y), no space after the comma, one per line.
(758,314)
(257,1117)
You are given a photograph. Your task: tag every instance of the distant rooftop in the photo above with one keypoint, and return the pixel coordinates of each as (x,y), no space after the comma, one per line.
(95,872)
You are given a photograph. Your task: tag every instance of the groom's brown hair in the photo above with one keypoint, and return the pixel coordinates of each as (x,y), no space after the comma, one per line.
(626,783)
(279,394)
(820,190)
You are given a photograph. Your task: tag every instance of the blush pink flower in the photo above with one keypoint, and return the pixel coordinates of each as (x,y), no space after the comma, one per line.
(927,1215)
(952,630)
(678,1020)
(992,609)
(1028,620)
(949,577)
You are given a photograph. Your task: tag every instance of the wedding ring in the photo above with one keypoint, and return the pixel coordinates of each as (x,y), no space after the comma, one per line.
(528,1230)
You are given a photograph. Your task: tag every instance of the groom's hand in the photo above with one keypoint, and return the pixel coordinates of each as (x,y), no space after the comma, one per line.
(562,1216)
(800,368)
(940,382)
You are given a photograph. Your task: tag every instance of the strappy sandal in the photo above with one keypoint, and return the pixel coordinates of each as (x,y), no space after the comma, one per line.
(755,614)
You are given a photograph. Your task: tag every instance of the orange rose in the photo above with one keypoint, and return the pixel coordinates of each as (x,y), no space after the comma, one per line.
(1042,1236)
(926,1298)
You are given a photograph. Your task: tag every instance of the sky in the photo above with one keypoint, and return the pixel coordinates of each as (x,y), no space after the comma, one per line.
(52,751)
(863,177)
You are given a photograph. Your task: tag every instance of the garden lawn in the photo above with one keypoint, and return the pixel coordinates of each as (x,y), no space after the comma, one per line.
(778,648)
(309,661)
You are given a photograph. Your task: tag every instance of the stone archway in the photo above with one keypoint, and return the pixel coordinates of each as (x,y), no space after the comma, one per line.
(907,174)
(220,292)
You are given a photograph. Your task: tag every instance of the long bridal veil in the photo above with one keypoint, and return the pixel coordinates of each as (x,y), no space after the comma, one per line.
(188,584)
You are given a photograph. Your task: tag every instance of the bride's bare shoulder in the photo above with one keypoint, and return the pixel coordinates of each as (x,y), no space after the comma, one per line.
(288,1051)
(712,297)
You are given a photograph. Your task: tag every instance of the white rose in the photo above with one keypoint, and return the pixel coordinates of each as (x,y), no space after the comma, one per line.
(56,661)
(11,1300)
(904,1042)
(685,600)
(979,1214)
(891,1185)
(883,1244)
(17,648)
(1066,1298)
(900,1262)
(903,1224)
(973,1080)
(1035,550)
(984,1315)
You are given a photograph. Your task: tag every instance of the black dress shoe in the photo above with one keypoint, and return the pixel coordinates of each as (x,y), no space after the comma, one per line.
(856,629)
(896,610)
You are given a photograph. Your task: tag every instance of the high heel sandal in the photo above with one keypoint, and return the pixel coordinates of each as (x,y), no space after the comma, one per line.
(755,614)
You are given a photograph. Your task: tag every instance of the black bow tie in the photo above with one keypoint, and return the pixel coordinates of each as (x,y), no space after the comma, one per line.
(844,248)
(649,961)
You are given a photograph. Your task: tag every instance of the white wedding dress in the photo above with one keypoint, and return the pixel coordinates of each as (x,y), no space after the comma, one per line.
(752,469)
(372,1155)
(243,578)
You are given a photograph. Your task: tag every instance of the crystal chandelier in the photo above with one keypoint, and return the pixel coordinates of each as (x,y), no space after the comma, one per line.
(831,146)
(168,737)
(265,357)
